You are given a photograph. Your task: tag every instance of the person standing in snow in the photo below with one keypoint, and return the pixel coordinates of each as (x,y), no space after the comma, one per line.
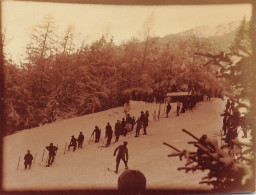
(97,134)
(28,159)
(128,125)
(73,143)
(145,122)
(52,153)
(133,122)
(123,131)
(109,134)
(225,121)
(80,140)
(122,154)
(178,108)
(117,130)
(168,109)
(138,127)
(227,105)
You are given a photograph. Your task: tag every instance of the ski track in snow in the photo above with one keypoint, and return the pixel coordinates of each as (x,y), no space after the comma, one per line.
(87,168)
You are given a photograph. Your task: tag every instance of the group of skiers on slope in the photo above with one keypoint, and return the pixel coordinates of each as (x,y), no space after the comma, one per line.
(123,127)
(183,104)
(28,158)
(231,121)
(76,142)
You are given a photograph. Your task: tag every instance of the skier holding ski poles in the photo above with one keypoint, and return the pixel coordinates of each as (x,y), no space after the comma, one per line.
(52,152)
(80,140)
(109,133)
(73,143)
(97,134)
(28,159)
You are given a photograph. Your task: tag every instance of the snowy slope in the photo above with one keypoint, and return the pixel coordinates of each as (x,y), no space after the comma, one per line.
(87,168)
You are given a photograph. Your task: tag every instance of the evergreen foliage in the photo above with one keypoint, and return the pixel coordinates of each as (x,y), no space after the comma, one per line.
(58,81)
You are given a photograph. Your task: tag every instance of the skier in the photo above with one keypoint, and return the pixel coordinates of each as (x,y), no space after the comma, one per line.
(72,143)
(117,130)
(178,108)
(232,107)
(109,133)
(145,122)
(209,94)
(128,125)
(52,152)
(123,130)
(122,154)
(28,159)
(97,134)
(80,140)
(168,109)
(138,127)
(225,121)
(227,105)
(133,122)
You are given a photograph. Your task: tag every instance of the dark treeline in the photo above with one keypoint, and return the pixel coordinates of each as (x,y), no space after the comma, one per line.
(58,81)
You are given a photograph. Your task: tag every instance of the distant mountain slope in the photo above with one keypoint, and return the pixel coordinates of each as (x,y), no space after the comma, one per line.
(221,36)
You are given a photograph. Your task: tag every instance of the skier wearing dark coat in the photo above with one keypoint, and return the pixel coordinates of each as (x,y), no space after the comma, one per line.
(117,130)
(145,122)
(97,134)
(109,134)
(133,122)
(80,140)
(124,130)
(225,121)
(168,109)
(138,127)
(28,159)
(227,105)
(122,154)
(52,152)
(72,143)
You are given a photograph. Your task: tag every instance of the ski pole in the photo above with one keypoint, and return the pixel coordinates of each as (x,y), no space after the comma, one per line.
(18,164)
(65,148)
(90,139)
(43,156)
(35,158)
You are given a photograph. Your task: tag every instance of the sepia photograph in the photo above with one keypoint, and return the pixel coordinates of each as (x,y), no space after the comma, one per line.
(128,98)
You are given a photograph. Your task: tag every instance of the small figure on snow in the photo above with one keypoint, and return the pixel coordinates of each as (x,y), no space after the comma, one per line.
(168,109)
(227,105)
(52,153)
(117,130)
(73,143)
(123,131)
(122,154)
(138,127)
(145,122)
(28,159)
(80,140)
(109,133)
(97,134)
(133,122)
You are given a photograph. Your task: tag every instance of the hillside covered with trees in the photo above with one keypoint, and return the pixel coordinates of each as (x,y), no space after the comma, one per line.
(58,80)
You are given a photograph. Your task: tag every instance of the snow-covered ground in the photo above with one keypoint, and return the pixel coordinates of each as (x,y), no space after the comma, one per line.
(87,168)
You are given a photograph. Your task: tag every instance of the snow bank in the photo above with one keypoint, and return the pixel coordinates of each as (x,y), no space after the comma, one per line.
(87,168)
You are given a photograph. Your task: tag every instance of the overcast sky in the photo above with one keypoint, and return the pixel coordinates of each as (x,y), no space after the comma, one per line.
(121,22)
